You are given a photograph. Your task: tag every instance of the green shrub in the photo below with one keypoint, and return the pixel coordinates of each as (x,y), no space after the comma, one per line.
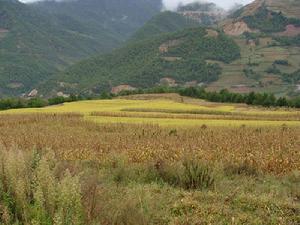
(273,70)
(293,78)
(250,73)
(282,62)
(241,169)
(196,176)
(289,41)
(36,103)
(188,174)
(129,213)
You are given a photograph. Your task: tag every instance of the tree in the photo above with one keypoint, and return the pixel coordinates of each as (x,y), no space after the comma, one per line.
(250,98)
(282,102)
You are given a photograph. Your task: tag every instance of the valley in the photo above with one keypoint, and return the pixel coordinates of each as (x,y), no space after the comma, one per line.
(149,112)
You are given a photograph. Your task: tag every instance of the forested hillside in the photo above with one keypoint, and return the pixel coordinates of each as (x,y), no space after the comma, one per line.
(119,19)
(180,56)
(39,40)
(163,23)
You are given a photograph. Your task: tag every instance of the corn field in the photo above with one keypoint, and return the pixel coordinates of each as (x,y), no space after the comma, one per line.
(63,169)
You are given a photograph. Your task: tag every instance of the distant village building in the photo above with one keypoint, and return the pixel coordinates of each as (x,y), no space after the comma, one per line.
(33,93)
(251,43)
(191,84)
(61,94)
(123,87)
(167,81)
(164,48)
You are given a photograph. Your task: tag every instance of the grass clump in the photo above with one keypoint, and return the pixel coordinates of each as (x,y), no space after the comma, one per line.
(188,174)
(31,193)
(241,169)
(196,176)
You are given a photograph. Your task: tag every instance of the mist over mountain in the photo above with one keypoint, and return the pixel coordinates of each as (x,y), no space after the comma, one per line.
(173,4)
(226,4)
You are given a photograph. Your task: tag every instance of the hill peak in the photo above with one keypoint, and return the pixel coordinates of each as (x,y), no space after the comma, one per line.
(267,16)
(289,8)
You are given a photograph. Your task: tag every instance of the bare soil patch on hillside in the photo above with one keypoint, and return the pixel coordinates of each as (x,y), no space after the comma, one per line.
(290,31)
(3,32)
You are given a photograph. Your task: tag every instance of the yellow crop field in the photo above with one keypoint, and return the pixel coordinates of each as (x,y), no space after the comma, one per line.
(171,113)
(119,104)
(192,122)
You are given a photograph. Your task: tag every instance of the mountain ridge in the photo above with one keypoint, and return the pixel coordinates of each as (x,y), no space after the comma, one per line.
(263,37)
(144,63)
(164,22)
(269,59)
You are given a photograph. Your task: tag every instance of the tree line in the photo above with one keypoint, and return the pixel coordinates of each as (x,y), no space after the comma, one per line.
(223,96)
(19,103)
(252,98)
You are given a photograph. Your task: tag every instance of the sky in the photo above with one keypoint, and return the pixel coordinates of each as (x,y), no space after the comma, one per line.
(172,4)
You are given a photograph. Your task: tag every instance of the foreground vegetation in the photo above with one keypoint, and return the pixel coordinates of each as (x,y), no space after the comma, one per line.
(145,174)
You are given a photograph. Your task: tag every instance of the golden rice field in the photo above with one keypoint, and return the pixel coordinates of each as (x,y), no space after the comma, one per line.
(172,110)
(150,159)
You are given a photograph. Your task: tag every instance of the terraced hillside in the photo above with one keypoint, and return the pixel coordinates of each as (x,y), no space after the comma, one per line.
(259,68)
(290,8)
(268,34)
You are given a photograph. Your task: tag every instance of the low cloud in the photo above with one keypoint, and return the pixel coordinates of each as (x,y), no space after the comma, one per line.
(226,4)
(173,4)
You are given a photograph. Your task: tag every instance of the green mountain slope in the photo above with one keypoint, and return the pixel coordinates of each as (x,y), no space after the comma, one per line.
(181,56)
(164,22)
(36,43)
(118,18)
